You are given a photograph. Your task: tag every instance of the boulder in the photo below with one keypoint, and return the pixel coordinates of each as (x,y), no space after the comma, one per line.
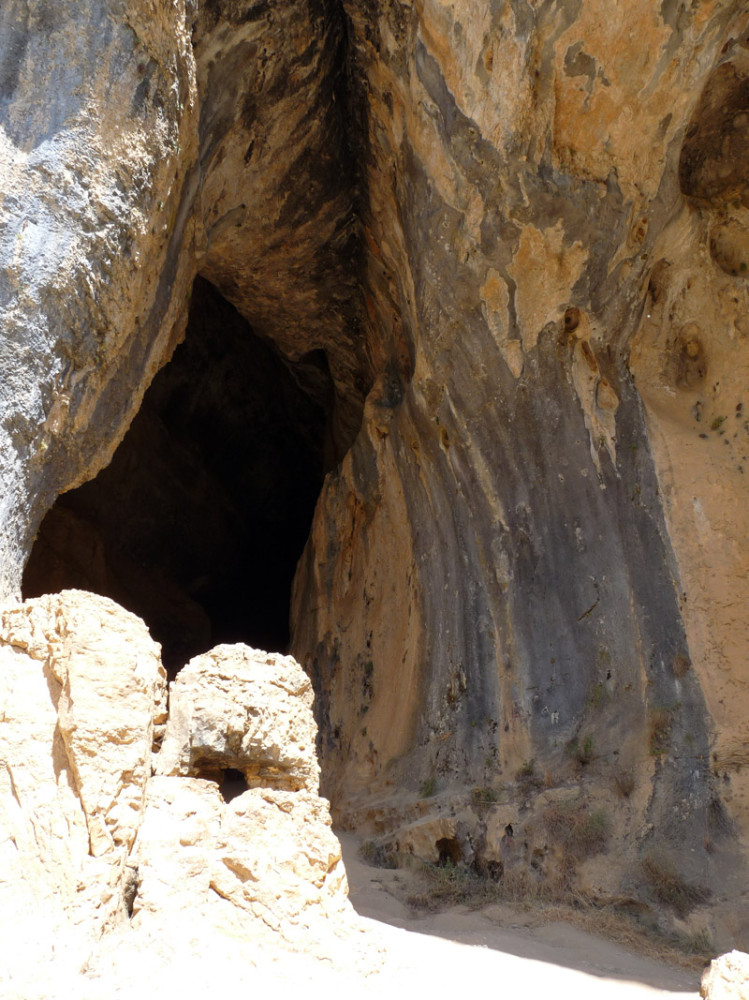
(241,709)
(727,978)
(234,814)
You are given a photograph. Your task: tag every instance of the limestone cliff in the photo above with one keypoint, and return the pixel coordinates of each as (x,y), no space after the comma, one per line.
(532,568)
(109,871)
(502,250)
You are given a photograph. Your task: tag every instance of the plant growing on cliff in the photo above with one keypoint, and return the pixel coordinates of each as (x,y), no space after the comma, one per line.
(578,832)
(582,752)
(526,776)
(597,695)
(669,887)
(483,796)
(660,726)
(428,787)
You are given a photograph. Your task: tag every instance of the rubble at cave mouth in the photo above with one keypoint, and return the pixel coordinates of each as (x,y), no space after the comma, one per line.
(199,520)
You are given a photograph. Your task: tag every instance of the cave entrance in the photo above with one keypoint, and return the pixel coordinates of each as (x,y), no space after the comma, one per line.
(199,520)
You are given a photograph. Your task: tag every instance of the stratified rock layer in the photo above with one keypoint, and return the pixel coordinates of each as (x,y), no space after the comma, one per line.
(529,565)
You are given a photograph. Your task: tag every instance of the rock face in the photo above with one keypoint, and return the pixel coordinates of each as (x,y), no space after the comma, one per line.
(180,113)
(503,252)
(98,131)
(231,709)
(212,476)
(532,566)
(269,850)
(82,691)
(727,978)
(89,838)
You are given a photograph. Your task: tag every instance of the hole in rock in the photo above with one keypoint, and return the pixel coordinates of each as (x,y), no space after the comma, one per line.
(232,784)
(449,851)
(130,888)
(199,520)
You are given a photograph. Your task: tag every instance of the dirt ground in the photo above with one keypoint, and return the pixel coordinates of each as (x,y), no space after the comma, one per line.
(439,953)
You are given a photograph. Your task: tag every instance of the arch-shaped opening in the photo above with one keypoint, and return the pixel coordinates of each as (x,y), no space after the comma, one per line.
(449,851)
(199,520)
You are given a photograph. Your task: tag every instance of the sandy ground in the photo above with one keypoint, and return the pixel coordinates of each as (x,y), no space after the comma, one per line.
(439,954)
(388,954)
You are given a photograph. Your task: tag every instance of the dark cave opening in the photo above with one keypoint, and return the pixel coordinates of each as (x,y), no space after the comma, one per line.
(199,520)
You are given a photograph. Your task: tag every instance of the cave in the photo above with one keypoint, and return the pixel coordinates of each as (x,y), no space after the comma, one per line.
(198,522)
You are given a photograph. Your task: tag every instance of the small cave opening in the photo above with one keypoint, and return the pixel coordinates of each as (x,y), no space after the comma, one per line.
(449,851)
(232,784)
(198,522)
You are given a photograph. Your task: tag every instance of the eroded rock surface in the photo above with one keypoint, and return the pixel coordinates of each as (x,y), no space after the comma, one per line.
(97,133)
(511,242)
(531,561)
(100,859)
(249,711)
(82,691)
(138,148)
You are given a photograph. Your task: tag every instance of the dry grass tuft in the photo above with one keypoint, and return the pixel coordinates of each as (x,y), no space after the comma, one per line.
(526,777)
(376,855)
(450,885)
(668,886)
(443,886)
(579,833)
(661,723)
(517,892)
(681,665)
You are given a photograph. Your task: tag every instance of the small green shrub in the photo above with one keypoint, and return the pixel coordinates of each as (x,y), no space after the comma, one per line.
(578,832)
(582,752)
(428,787)
(483,796)
(700,944)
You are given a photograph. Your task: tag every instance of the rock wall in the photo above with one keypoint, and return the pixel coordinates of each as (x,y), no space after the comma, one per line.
(518,236)
(97,133)
(529,565)
(139,148)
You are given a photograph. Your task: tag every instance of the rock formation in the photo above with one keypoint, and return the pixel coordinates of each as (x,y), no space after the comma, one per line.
(727,978)
(501,252)
(83,690)
(100,858)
